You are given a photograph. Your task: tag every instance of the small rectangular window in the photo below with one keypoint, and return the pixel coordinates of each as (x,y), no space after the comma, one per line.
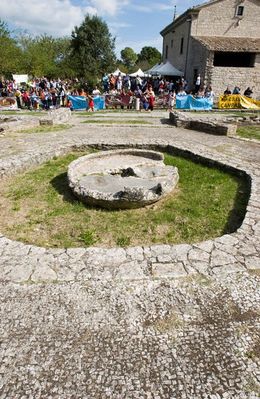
(240,11)
(166,51)
(195,74)
(171,43)
(181,48)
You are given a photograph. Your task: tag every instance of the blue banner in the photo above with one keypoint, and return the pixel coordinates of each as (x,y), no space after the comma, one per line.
(190,102)
(99,103)
(80,102)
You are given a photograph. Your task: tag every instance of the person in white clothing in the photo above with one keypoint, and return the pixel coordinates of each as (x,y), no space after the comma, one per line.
(198,83)
(171,100)
(96,92)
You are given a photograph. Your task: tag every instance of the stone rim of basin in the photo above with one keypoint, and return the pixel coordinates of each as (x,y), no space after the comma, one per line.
(121,179)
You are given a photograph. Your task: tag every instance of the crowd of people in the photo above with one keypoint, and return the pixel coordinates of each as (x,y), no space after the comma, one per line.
(248,92)
(145,88)
(40,92)
(50,93)
(43,93)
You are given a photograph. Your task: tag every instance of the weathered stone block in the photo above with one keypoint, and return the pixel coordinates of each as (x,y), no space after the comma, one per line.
(180,119)
(60,115)
(213,128)
(46,122)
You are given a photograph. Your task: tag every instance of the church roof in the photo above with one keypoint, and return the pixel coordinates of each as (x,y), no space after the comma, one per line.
(231,44)
(207,3)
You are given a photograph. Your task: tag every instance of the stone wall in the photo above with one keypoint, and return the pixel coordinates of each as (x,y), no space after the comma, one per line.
(221,77)
(196,60)
(179,119)
(173,41)
(219,19)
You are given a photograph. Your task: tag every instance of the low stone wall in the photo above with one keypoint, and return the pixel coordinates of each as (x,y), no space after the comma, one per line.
(180,119)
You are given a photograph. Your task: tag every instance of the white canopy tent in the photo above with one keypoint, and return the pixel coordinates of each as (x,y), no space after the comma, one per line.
(138,73)
(153,68)
(166,69)
(117,72)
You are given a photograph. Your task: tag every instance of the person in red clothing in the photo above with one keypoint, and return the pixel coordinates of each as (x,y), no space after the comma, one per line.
(26,99)
(90,103)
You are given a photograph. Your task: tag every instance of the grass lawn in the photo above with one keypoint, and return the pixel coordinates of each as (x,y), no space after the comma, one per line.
(104,111)
(111,115)
(45,129)
(249,132)
(38,207)
(245,114)
(24,113)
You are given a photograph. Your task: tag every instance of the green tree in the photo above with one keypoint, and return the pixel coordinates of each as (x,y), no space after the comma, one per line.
(11,54)
(149,55)
(63,60)
(45,55)
(4,30)
(129,57)
(92,48)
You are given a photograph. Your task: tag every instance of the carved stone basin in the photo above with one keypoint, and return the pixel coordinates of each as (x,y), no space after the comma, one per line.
(122,179)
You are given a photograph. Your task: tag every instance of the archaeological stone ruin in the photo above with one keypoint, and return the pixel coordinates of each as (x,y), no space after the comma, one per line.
(122,179)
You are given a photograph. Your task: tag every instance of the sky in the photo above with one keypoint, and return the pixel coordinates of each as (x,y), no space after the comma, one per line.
(134,23)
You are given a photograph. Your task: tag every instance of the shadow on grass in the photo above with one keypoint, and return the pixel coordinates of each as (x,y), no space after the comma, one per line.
(237,214)
(61,185)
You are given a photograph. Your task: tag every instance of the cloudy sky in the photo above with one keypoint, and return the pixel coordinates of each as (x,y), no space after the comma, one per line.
(134,23)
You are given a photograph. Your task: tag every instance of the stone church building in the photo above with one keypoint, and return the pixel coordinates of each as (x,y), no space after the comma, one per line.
(220,40)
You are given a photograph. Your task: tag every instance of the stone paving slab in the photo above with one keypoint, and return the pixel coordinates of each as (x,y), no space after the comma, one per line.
(172,338)
(165,321)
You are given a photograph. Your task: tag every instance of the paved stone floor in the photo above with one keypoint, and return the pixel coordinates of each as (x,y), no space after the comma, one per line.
(171,322)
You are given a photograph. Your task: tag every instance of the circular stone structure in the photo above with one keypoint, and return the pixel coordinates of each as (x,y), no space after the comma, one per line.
(122,179)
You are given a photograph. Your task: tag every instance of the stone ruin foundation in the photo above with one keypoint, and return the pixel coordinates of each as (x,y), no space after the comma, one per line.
(122,179)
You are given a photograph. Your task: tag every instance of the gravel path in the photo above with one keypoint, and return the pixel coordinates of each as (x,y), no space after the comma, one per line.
(170,322)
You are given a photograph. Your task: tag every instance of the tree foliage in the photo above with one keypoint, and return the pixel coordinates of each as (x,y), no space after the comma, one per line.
(45,55)
(129,57)
(93,47)
(4,30)
(147,57)
(11,54)
(150,55)
(88,54)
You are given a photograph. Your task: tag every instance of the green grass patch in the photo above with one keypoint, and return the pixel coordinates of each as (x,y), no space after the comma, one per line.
(244,114)
(104,111)
(118,121)
(38,207)
(249,132)
(24,113)
(45,129)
